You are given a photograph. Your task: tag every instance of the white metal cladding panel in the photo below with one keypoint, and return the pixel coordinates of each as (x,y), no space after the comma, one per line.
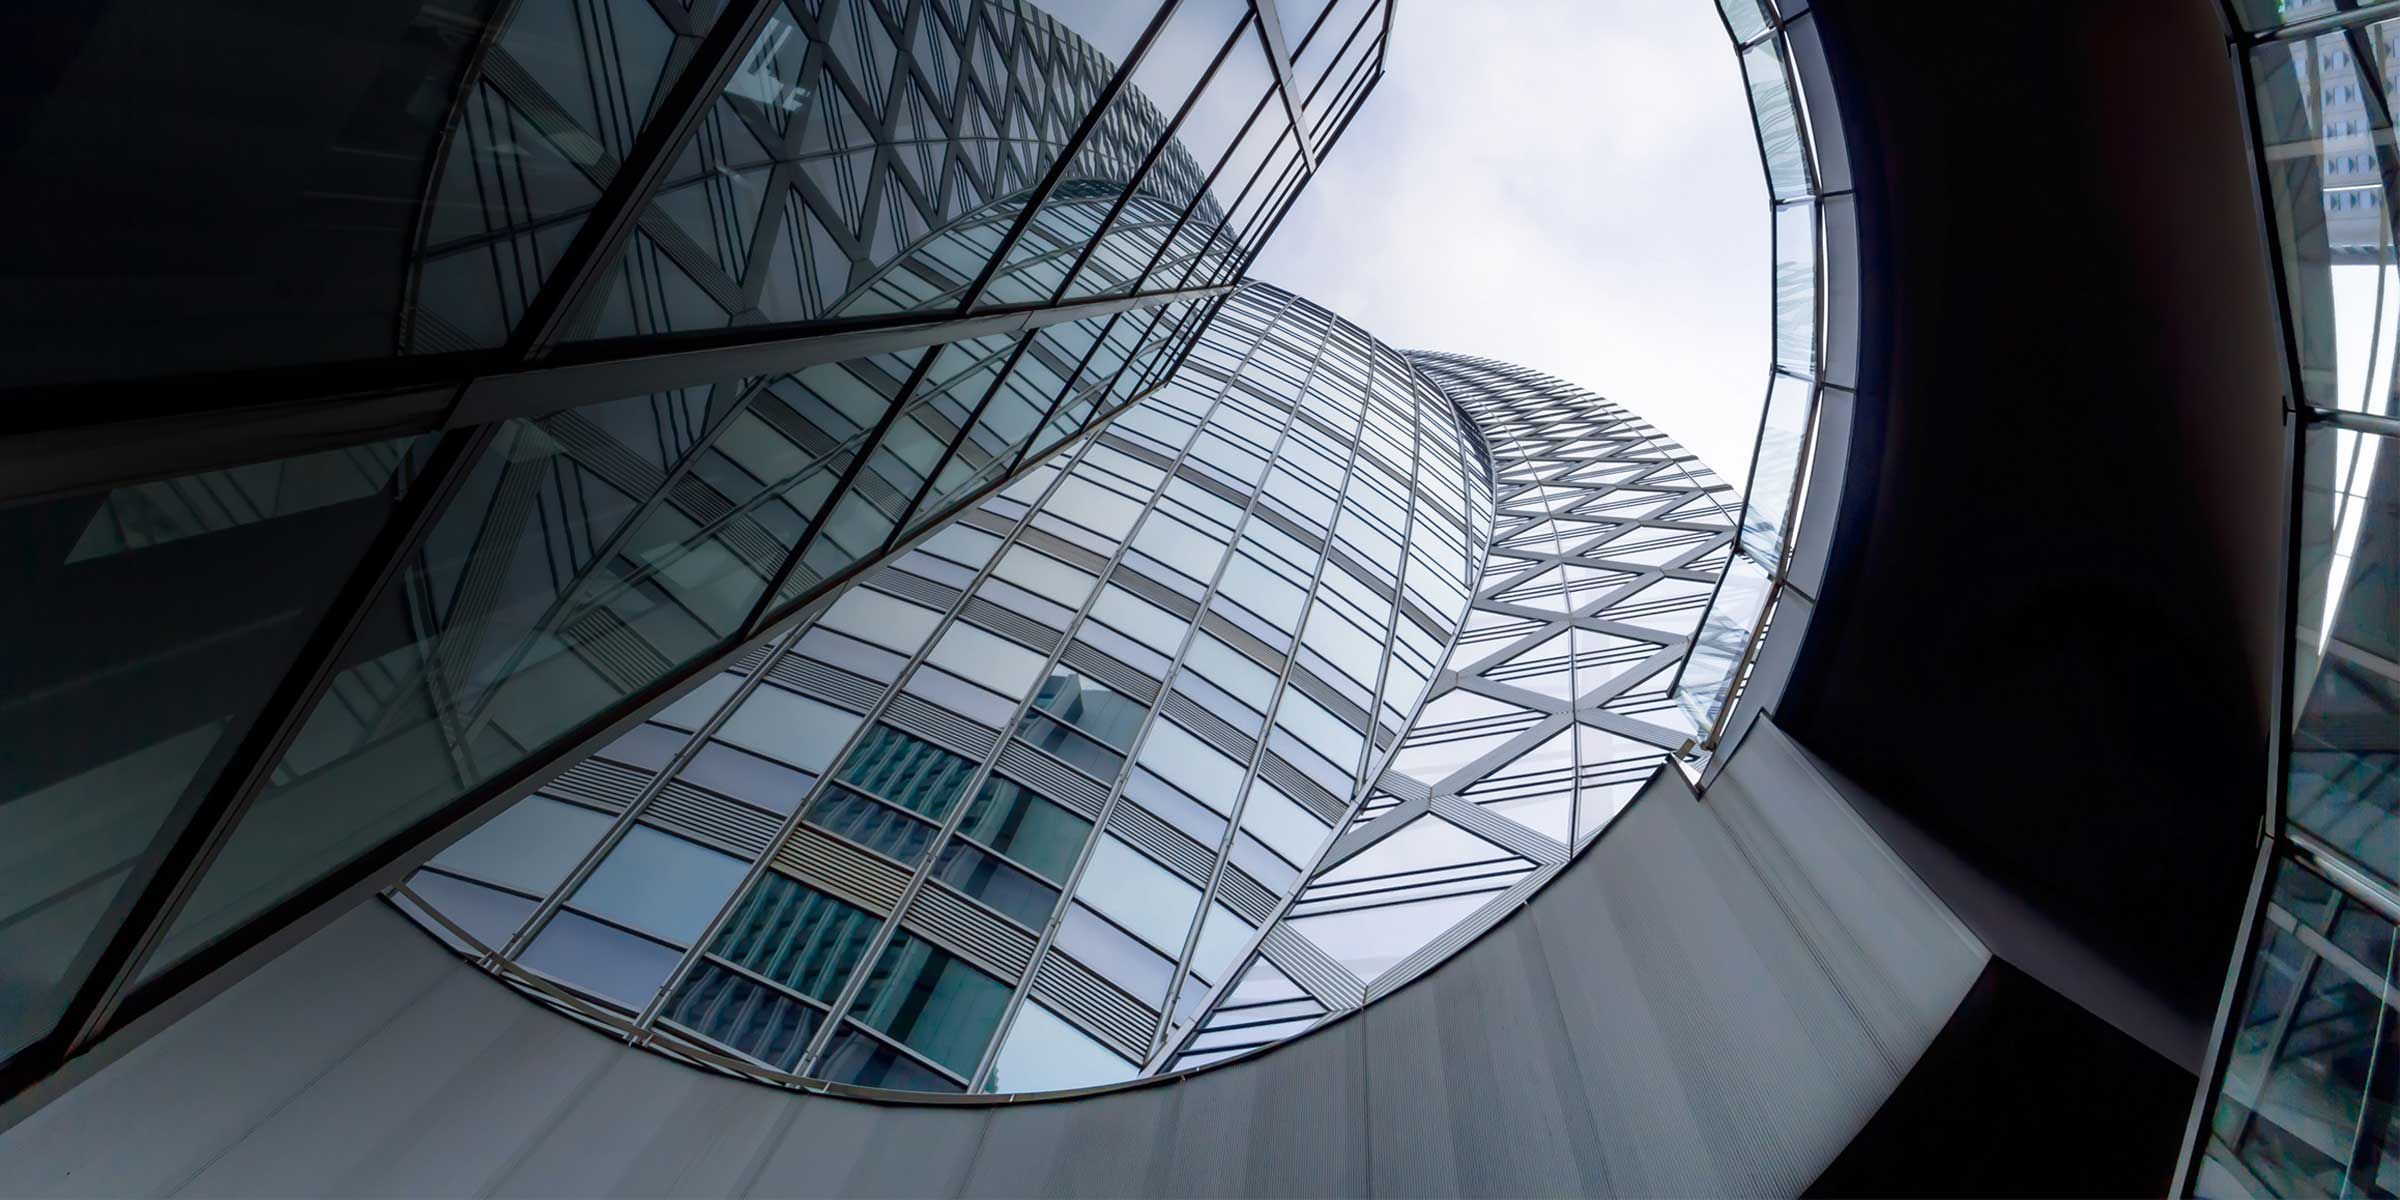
(924,591)
(1208,725)
(1155,592)
(1137,825)
(964,926)
(1047,776)
(600,783)
(837,867)
(1025,629)
(1245,895)
(1094,1003)
(940,725)
(1084,658)
(1300,787)
(829,683)
(729,823)
(1309,967)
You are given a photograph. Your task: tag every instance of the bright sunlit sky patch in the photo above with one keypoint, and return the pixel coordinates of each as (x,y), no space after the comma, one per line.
(1570,185)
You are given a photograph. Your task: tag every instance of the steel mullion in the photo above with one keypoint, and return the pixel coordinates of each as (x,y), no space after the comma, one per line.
(1327,342)
(1334,851)
(186,854)
(599,243)
(1279,60)
(1040,196)
(1157,151)
(867,447)
(1330,340)
(1046,938)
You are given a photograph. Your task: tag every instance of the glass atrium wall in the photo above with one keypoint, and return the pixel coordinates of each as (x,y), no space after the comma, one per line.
(411,394)
(1803,429)
(1550,712)
(2303,1091)
(1016,804)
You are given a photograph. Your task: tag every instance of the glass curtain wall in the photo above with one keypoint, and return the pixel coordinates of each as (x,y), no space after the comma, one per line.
(1811,221)
(1006,814)
(1552,709)
(2303,1092)
(500,364)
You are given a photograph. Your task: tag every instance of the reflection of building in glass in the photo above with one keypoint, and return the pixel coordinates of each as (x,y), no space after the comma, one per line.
(538,356)
(1072,768)
(2303,1093)
(1018,802)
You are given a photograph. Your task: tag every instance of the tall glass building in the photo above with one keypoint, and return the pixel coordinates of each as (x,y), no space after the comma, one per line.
(1051,800)
(540,355)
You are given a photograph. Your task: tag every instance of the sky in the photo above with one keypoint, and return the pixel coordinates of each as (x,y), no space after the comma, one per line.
(1569,185)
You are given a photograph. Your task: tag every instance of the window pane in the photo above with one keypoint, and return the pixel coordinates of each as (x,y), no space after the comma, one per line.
(1191,764)
(1089,756)
(1045,576)
(531,846)
(745,776)
(797,936)
(1014,893)
(1144,897)
(1118,956)
(1222,936)
(909,771)
(1045,1054)
(932,1002)
(1090,706)
(883,619)
(988,659)
(790,727)
(491,916)
(756,1020)
(1280,822)
(871,823)
(595,958)
(694,708)
(660,884)
(1027,827)
(853,1057)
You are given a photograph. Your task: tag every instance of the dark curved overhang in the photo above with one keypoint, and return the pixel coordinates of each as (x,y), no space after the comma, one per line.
(2048,634)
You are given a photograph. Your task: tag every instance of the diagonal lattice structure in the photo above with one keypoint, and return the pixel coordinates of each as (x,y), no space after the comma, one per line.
(1555,704)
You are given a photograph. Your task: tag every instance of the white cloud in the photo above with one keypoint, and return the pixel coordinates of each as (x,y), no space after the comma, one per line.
(1569,186)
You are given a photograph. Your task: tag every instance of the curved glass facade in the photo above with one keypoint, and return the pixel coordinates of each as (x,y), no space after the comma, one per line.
(1012,808)
(1552,709)
(1798,464)
(499,365)
(2301,1096)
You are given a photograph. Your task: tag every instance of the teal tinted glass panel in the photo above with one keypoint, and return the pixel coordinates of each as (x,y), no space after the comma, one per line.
(1027,827)
(932,1002)
(742,1013)
(2345,735)
(796,935)
(2309,1104)
(102,738)
(907,770)
(872,823)
(986,877)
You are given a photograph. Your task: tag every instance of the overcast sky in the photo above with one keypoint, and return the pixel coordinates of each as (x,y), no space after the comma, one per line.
(1570,185)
